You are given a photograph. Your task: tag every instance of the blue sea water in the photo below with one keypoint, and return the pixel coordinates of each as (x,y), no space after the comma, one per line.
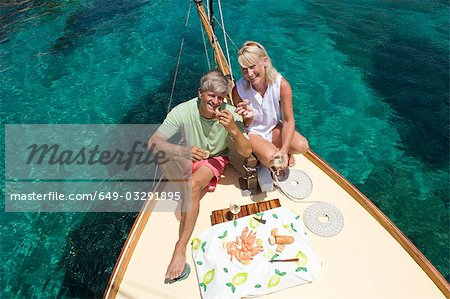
(371,93)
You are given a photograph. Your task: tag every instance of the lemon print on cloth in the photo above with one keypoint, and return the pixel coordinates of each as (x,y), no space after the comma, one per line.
(254,223)
(196,242)
(209,276)
(302,262)
(274,281)
(288,228)
(207,279)
(269,254)
(237,280)
(302,259)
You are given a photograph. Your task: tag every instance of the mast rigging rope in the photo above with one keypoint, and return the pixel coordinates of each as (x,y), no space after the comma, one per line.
(174,82)
(206,49)
(225,38)
(229,37)
(179,58)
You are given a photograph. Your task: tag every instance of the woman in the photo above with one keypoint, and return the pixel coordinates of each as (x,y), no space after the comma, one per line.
(270,96)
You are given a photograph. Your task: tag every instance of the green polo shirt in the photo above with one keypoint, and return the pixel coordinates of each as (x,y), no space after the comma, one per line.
(196,130)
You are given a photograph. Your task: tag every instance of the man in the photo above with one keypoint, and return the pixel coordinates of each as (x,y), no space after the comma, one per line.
(208,125)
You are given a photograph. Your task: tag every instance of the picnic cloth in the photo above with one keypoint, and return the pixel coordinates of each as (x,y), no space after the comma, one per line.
(220,277)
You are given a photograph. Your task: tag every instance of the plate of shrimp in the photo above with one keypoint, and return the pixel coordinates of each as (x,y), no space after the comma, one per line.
(245,247)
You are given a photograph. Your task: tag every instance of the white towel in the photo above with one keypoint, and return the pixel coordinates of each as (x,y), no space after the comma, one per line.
(221,278)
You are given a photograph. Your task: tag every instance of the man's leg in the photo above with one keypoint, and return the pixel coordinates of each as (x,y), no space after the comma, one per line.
(178,169)
(189,214)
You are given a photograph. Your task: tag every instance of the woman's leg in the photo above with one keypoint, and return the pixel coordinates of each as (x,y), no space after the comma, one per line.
(299,144)
(263,149)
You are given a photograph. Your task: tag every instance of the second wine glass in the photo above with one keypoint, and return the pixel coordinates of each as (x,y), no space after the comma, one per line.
(235,208)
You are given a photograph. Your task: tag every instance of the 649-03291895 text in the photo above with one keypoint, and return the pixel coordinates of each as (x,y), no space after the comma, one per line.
(97,195)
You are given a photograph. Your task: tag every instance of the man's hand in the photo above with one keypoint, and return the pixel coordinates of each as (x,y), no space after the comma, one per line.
(244,110)
(226,119)
(198,154)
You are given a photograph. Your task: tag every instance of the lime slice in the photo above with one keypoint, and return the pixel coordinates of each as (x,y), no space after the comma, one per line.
(196,242)
(239,278)
(209,276)
(254,223)
(302,259)
(274,281)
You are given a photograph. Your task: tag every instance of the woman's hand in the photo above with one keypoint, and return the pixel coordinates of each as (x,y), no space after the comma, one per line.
(281,156)
(244,110)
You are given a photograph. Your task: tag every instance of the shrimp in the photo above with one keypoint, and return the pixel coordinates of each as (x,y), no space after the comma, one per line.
(256,250)
(244,234)
(243,256)
(231,248)
(244,248)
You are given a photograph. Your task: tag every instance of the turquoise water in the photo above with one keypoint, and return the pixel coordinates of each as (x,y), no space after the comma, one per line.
(371,90)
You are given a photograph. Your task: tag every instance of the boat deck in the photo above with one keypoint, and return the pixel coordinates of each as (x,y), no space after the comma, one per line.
(363,261)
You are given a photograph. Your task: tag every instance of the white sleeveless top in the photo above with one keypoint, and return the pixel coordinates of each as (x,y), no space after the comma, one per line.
(267,108)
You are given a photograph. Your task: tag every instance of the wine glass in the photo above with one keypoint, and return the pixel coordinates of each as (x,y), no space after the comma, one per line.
(278,161)
(235,208)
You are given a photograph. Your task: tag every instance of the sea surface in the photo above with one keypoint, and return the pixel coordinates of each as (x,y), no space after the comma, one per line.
(371,93)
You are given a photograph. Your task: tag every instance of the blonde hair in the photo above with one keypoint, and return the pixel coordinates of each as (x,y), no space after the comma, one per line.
(215,81)
(251,53)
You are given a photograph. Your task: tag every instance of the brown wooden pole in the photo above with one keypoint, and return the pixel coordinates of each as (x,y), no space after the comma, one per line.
(219,57)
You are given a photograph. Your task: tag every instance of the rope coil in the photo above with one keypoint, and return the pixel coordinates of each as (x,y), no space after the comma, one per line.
(293,183)
(334,220)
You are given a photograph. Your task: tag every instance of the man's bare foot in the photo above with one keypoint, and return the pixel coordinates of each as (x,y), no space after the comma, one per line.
(291,161)
(176,265)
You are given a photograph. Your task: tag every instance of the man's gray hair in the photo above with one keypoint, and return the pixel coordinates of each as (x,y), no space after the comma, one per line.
(215,81)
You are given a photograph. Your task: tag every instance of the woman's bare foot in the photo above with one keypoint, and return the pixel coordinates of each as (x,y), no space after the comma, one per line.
(176,265)
(291,162)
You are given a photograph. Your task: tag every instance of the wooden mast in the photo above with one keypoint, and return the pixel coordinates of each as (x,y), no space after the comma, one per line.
(219,57)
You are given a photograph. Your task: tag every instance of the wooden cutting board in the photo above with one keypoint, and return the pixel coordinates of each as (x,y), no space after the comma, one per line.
(224,215)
